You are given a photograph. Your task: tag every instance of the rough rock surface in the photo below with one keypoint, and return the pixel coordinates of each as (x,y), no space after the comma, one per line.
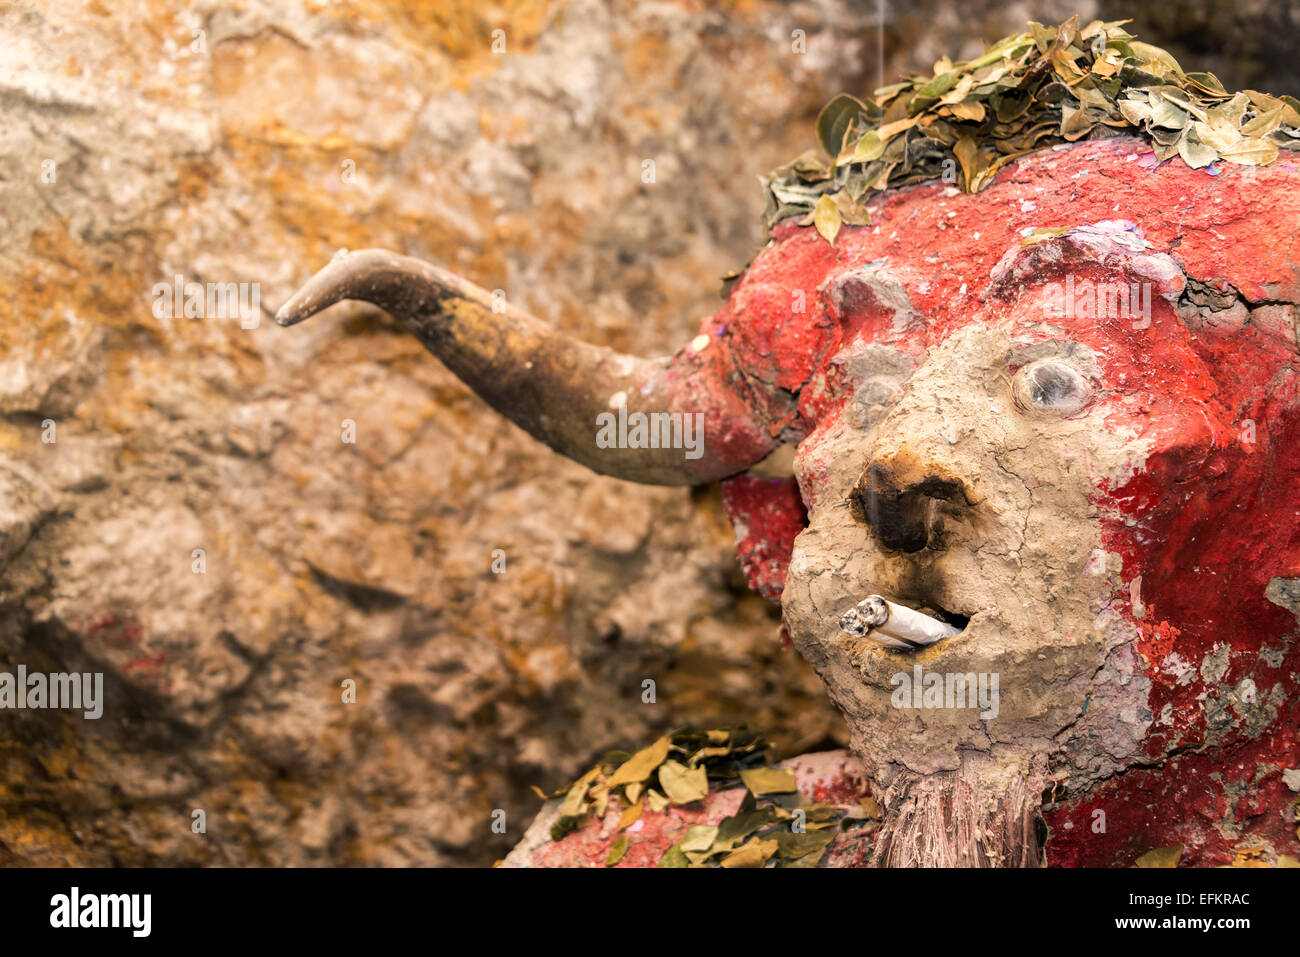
(248,142)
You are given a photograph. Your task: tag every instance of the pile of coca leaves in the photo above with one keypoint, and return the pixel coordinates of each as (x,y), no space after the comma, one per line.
(775,825)
(1037,89)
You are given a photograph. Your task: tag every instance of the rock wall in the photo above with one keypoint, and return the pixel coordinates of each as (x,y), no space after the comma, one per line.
(231,521)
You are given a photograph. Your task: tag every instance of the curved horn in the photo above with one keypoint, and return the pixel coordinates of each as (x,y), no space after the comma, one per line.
(555,387)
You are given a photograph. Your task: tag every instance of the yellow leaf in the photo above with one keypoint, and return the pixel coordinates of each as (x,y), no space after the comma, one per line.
(890,130)
(1251,152)
(642,764)
(682,784)
(769,781)
(753,853)
(698,837)
(631,815)
(1161,857)
(826,217)
(973,111)
(972,161)
(575,801)
(600,799)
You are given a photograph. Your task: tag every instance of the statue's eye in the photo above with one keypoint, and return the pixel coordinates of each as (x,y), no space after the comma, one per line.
(1050,385)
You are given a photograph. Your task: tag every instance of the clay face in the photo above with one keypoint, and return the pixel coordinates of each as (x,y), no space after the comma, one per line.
(972,498)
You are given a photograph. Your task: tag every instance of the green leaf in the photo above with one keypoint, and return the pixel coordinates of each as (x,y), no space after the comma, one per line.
(616,851)
(733,830)
(673,857)
(868,148)
(887,92)
(565,825)
(792,845)
(835,120)
(940,85)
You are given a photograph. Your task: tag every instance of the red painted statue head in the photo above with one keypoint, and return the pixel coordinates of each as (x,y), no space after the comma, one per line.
(1084,450)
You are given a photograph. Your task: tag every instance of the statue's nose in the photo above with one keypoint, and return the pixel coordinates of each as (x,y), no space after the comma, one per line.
(905,499)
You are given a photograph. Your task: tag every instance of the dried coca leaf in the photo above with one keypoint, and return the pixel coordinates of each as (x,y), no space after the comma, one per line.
(733,830)
(753,853)
(969,111)
(616,851)
(1040,234)
(682,784)
(791,845)
(1195,153)
(835,121)
(1160,857)
(673,857)
(868,148)
(642,764)
(826,217)
(698,837)
(1264,123)
(575,801)
(631,815)
(762,781)
(1251,152)
(1031,90)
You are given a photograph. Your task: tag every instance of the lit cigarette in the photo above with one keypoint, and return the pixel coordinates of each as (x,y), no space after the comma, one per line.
(894,625)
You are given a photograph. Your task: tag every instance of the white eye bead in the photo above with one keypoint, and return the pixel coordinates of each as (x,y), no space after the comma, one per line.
(1050,385)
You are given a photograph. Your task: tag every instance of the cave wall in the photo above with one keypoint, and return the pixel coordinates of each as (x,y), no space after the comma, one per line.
(201,529)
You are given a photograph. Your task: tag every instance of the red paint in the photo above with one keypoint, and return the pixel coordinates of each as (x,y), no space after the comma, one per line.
(767,514)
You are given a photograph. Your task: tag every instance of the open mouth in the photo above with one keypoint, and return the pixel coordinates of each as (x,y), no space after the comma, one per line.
(896,625)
